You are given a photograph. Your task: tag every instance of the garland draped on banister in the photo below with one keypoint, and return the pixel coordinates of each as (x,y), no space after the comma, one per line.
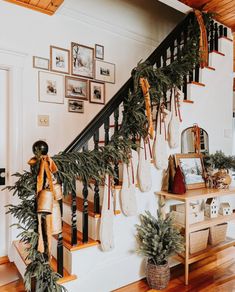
(95,164)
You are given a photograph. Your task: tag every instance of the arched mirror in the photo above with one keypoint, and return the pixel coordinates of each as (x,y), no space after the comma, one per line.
(194,138)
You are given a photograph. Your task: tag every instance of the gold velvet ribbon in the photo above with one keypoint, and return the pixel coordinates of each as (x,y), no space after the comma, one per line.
(145,89)
(48,166)
(203,44)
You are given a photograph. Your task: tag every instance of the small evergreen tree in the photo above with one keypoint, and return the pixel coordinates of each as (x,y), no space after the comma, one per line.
(158,238)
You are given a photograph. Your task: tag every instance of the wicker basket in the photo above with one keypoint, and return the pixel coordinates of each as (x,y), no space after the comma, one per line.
(218,233)
(198,240)
(158,277)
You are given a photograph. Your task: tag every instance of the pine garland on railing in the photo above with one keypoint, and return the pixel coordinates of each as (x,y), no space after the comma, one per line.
(95,164)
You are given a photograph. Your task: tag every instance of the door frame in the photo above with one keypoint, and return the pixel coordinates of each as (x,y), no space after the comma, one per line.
(14,63)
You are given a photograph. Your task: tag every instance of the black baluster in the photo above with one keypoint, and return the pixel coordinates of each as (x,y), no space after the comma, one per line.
(172,50)
(60,256)
(96,188)
(178,41)
(216,37)
(116,117)
(197,72)
(185,84)
(106,131)
(221,31)
(158,62)
(85,213)
(211,44)
(225,31)
(164,57)
(74,239)
(116,164)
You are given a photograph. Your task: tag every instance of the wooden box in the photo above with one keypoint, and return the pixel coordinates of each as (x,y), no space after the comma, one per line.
(193,217)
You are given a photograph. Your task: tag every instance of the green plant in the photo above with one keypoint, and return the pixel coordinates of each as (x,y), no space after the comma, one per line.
(219,160)
(157,238)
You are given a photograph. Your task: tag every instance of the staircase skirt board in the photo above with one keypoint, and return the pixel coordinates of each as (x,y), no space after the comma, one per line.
(21,263)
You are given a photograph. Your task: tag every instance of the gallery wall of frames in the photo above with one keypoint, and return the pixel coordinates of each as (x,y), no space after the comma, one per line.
(77,75)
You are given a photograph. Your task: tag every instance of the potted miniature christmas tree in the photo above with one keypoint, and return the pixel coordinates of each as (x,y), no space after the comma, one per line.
(158,239)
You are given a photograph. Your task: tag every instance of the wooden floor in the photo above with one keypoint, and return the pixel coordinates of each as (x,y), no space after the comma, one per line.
(215,274)
(9,272)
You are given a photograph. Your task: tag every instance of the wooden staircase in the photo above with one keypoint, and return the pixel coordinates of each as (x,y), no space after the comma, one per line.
(80,209)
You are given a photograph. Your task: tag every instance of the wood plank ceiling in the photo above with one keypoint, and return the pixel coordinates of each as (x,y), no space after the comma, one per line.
(225,13)
(45,6)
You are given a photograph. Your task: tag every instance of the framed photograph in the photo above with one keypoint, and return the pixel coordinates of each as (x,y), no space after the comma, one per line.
(99,52)
(82,60)
(76,106)
(76,88)
(50,87)
(40,63)
(59,60)
(105,71)
(97,92)
(193,170)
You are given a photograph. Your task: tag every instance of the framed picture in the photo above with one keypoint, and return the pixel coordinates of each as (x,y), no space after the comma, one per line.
(192,168)
(40,63)
(99,52)
(59,60)
(97,92)
(76,88)
(76,106)
(50,87)
(82,60)
(105,71)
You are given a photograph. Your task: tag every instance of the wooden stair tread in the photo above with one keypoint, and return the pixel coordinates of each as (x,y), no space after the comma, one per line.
(226,38)
(210,68)
(217,52)
(67,239)
(21,248)
(197,83)
(188,101)
(68,201)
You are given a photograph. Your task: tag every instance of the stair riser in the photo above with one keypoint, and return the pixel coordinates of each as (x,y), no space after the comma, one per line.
(67,255)
(93,223)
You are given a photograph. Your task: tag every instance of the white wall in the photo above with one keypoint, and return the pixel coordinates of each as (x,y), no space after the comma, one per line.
(129,31)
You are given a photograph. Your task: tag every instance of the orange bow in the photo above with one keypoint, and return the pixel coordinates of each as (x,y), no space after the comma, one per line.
(145,89)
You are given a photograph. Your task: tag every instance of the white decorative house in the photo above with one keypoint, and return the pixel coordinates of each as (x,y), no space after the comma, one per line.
(225,209)
(211,208)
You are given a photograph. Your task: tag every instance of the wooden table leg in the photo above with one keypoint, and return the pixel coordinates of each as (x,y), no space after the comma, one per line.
(186,267)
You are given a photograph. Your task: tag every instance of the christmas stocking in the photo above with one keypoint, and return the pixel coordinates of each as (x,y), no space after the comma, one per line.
(160,155)
(107,216)
(174,125)
(128,198)
(144,167)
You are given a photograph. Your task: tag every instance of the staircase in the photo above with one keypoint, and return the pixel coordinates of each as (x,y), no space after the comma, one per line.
(77,248)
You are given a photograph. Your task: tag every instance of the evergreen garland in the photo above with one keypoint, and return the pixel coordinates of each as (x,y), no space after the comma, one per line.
(94,164)
(219,160)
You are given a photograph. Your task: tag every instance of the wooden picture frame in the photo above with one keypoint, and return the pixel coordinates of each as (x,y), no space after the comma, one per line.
(50,87)
(59,60)
(193,169)
(40,63)
(76,88)
(97,92)
(82,60)
(76,106)
(104,71)
(99,52)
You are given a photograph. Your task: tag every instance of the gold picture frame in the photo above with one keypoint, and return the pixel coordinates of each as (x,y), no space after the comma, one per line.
(192,168)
